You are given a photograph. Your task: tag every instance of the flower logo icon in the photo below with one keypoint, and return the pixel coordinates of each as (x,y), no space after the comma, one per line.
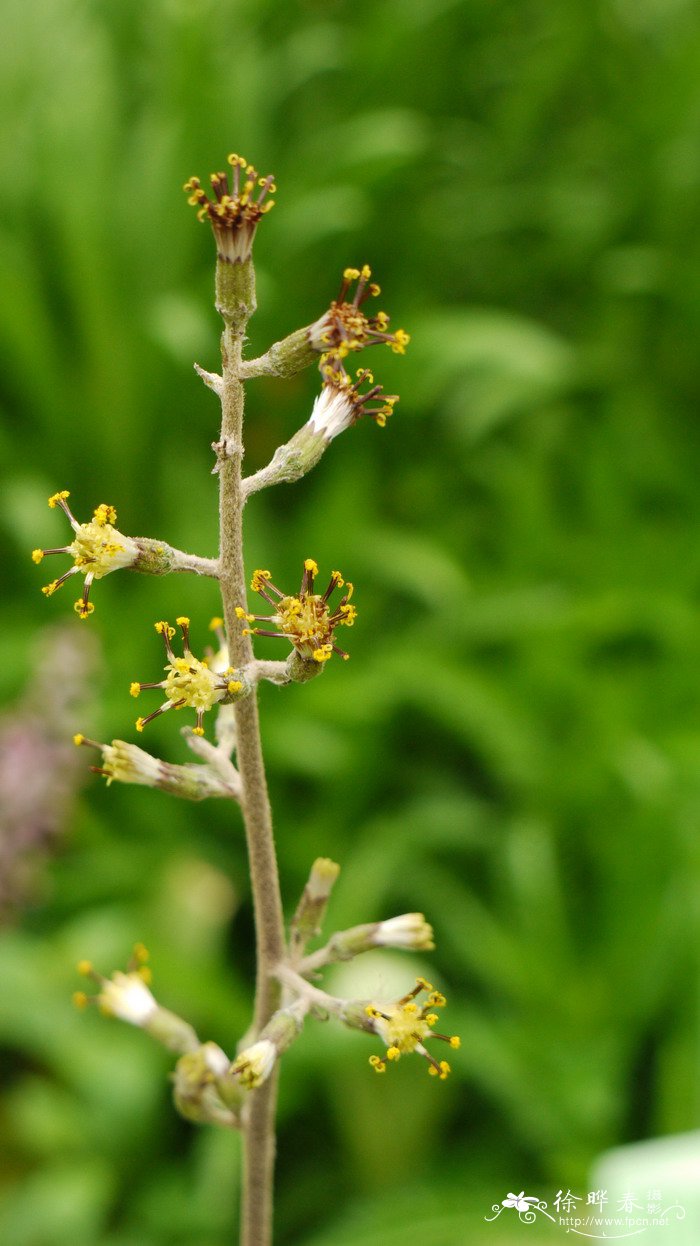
(521,1201)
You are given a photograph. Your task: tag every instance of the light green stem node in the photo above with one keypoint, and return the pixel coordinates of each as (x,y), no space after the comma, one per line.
(159,558)
(346,944)
(353,1013)
(235,293)
(171,1031)
(301,670)
(283,1027)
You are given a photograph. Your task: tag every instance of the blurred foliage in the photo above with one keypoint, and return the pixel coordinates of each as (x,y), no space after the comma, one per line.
(515,746)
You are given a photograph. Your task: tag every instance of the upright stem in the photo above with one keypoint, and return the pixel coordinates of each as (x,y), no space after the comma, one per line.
(236,302)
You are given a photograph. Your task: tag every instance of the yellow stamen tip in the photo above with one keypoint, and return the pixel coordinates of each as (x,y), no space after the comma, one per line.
(57,497)
(198,731)
(134,689)
(139,724)
(83,608)
(141,952)
(217,621)
(80,999)
(145,974)
(455,1041)
(78,738)
(182,621)
(310,565)
(37,555)
(234,685)
(84,968)
(105,514)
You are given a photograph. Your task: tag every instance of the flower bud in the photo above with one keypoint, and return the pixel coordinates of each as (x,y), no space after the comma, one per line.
(311,909)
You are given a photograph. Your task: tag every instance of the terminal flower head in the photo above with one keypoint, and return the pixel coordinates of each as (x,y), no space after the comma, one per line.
(404,1026)
(307,620)
(341,401)
(345,327)
(188,681)
(96,549)
(234,207)
(124,995)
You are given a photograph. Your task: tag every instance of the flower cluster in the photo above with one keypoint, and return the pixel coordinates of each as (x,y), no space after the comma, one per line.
(403,1026)
(307,620)
(233,212)
(189,681)
(97,548)
(345,327)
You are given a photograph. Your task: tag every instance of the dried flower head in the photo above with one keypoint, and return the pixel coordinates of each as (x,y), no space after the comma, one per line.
(341,402)
(233,211)
(404,1025)
(307,620)
(97,548)
(124,995)
(189,681)
(345,327)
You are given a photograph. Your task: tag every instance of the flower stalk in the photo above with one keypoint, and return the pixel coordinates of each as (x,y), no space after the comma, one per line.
(235,289)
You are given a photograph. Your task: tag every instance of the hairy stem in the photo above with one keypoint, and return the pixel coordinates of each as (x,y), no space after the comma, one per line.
(236,302)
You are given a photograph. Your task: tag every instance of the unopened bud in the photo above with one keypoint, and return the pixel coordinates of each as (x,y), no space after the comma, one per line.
(311,909)
(254,1064)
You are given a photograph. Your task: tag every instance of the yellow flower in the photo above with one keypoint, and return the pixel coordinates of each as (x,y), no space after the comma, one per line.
(404,1026)
(307,620)
(233,211)
(97,549)
(345,327)
(188,681)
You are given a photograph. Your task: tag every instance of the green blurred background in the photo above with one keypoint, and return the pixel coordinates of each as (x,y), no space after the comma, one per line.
(515,746)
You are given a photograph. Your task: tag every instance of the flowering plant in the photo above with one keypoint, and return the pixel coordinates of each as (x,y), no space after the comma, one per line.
(237,1089)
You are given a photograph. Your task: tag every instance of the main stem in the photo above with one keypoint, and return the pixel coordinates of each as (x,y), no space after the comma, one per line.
(236,302)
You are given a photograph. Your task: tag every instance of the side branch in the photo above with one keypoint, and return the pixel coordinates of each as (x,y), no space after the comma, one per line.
(289,462)
(285,358)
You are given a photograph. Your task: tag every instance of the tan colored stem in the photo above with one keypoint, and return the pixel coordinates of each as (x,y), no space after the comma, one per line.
(258,1134)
